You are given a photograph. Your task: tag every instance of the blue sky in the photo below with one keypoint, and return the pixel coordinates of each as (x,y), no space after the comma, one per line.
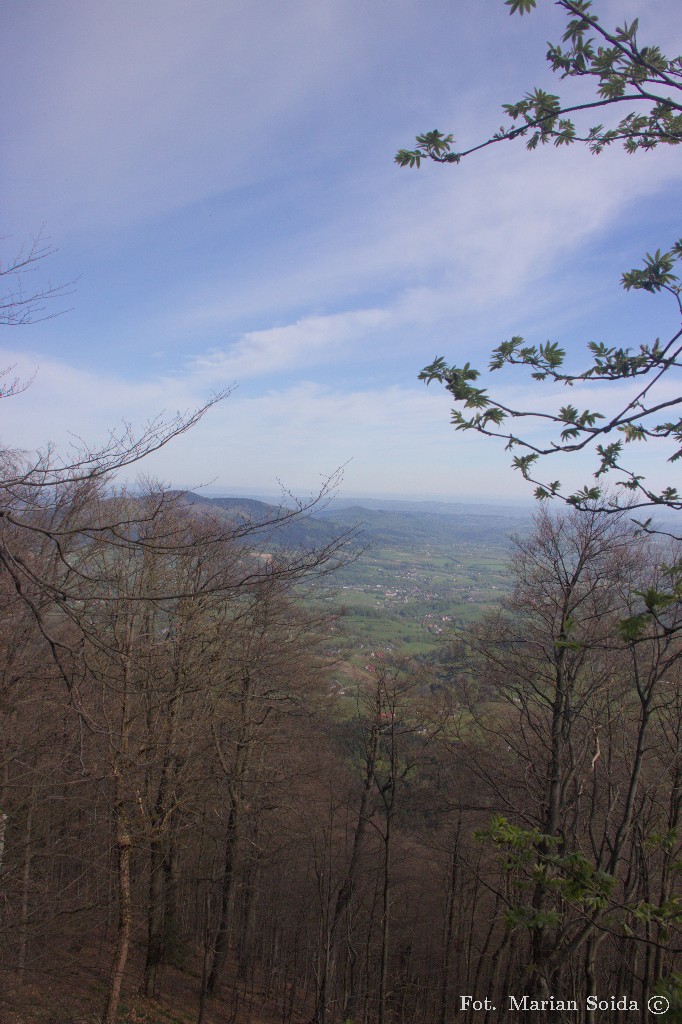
(219,177)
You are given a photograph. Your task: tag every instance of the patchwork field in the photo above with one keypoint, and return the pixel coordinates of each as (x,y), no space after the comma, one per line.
(420,574)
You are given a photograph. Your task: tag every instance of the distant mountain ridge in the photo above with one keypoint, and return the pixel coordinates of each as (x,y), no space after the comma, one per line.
(423,527)
(385,522)
(436,506)
(303,531)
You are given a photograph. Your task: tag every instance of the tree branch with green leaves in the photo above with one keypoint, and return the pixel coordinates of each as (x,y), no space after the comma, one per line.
(624,73)
(644,86)
(645,412)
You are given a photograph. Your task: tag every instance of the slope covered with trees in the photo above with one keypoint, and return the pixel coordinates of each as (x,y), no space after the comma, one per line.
(187,808)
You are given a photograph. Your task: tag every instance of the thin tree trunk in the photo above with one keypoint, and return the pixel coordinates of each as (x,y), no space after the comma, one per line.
(206,970)
(25,891)
(125,910)
(222,939)
(347,887)
(155,919)
(385,904)
(3,827)
(449,929)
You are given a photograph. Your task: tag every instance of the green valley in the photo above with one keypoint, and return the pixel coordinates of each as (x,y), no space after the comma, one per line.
(420,573)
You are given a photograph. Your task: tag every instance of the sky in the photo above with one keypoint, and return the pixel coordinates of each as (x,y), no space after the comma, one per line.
(216,178)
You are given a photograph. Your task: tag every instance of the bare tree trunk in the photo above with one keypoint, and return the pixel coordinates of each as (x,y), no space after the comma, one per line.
(222,939)
(125,910)
(385,916)
(171,924)
(248,922)
(25,891)
(3,828)
(387,789)
(206,969)
(158,874)
(347,887)
(449,928)
(591,968)
(155,918)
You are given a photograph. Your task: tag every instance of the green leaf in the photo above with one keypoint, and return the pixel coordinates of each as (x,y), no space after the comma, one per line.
(520,6)
(523,463)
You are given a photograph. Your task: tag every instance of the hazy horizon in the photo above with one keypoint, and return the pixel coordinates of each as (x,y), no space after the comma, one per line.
(346,497)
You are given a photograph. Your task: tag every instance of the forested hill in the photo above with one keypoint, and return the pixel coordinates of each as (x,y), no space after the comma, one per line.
(419,524)
(379,522)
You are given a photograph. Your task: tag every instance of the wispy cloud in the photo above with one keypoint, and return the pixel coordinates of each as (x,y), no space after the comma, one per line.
(302,345)
(392,438)
(153,106)
(222,177)
(467,240)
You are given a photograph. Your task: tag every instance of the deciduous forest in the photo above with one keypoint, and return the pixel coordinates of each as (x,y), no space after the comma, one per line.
(196,827)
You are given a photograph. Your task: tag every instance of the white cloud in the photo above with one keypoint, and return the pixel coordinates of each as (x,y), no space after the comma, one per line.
(305,343)
(64,403)
(448,241)
(178,149)
(392,439)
